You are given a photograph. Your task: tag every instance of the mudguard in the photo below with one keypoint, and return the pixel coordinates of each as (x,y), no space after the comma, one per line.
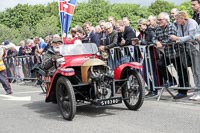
(120,68)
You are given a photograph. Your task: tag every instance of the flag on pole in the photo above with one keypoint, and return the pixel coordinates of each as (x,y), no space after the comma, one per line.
(66,10)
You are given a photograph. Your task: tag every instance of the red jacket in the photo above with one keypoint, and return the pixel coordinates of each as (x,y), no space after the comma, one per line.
(69,41)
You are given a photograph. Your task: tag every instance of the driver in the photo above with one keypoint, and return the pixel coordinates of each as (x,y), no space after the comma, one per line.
(52,53)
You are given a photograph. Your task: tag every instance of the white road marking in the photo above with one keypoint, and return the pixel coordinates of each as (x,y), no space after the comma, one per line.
(14,98)
(26,92)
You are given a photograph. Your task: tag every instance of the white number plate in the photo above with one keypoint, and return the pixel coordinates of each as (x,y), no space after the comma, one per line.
(111,101)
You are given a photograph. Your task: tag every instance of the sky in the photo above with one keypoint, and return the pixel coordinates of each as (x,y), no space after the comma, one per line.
(11,3)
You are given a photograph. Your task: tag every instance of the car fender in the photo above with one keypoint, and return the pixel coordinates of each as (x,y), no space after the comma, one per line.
(87,65)
(66,72)
(120,68)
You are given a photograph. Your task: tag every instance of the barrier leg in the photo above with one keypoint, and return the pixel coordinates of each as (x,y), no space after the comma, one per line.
(162,90)
(159,96)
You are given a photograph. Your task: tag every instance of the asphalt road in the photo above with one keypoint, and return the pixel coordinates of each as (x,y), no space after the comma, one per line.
(26,112)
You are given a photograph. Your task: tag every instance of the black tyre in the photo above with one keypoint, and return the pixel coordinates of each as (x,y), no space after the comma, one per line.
(65,98)
(133,90)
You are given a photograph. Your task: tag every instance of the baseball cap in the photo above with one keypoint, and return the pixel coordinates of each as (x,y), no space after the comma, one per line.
(6,42)
(10,45)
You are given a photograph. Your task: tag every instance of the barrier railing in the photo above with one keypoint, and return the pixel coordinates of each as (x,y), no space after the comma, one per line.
(175,65)
(120,55)
(19,67)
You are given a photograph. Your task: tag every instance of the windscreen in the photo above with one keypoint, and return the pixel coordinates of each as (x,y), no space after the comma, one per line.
(78,49)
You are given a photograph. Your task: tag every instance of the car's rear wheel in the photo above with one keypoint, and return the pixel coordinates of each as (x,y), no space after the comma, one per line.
(133,90)
(65,98)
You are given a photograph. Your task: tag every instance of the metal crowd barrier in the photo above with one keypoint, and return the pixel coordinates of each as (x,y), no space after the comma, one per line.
(173,67)
(18,68)
(120,55)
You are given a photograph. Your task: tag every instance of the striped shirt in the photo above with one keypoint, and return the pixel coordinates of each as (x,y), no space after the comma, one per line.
(162,35)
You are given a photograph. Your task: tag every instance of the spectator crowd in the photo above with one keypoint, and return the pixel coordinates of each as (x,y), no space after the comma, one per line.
(166,28)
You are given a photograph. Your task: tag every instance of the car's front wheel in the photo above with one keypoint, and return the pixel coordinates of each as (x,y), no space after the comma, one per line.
(65,98)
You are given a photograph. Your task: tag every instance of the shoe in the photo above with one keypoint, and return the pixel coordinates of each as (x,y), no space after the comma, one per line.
(192,97)
(180,95)
(8,92)
(195,97)
(151,94)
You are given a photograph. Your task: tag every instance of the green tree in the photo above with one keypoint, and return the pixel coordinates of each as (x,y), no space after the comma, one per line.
(186,6)
(7,33)
(160,6)
(48,25)
(93,11)
(133,11)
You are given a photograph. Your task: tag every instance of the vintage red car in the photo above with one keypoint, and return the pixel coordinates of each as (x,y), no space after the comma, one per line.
(82,77)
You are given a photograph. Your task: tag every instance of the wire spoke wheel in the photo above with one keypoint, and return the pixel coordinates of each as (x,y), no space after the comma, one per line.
(133,91)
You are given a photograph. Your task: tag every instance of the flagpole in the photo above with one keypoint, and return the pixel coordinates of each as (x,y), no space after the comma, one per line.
(66,10)
(60,19)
